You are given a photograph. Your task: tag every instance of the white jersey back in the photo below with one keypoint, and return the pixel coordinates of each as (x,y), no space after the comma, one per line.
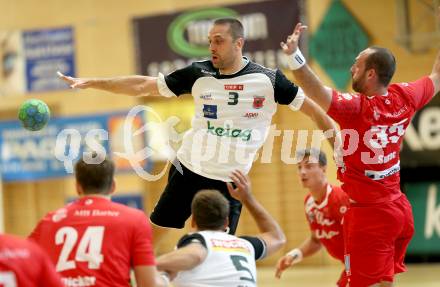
(230,263)
(232,117)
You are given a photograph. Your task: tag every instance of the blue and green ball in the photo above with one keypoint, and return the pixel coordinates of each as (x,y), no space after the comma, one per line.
(34,114)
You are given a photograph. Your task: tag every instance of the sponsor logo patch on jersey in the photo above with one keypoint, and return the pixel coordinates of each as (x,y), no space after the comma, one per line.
(208,72)
(79,281)
(228,131)
(206,97)
(343,209)
(59,215)
(236,87)
(322,234)
(346,96)
(250,115)
(210,111)
(321,219)
(376,114)
(236,245)
(258,102)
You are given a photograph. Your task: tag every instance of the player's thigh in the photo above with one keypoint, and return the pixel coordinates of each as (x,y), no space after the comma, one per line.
(369,236)
(174,205)
(407,222)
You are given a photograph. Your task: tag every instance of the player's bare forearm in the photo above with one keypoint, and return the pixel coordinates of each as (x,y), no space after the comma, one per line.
(310,246)
(435,75)
(148,276)
(184,258)
(322,120)
(270,230)
(313,87)
(128,85)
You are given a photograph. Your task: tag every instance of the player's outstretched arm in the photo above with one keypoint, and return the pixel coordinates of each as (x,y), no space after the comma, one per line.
(147,276)
(304,76)
(128,85)
(270,231)
(309,247)
(181,259)
(435,75)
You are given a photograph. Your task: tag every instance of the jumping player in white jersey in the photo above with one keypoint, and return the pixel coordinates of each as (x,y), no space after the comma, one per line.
(212,257)
(235,100)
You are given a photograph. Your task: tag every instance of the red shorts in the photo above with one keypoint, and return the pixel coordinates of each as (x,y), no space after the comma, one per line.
(376,238)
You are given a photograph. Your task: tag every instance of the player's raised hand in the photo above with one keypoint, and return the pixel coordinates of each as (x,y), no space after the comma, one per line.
(243,184)
(283,263)
(74,83)
(291,44)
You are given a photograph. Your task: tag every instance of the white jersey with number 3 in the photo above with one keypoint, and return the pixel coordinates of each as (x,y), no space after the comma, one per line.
(233,114)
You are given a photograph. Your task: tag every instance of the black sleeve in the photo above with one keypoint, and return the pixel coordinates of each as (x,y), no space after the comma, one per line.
(191,238)
(258,244)
(181,81)
(284,90)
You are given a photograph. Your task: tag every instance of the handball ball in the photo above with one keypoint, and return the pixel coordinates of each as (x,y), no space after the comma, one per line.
(34,114)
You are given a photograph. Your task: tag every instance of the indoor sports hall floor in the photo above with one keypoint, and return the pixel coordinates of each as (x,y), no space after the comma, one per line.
(420,275)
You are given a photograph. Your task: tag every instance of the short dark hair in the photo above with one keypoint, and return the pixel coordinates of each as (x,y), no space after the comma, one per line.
(210,209)
(383,62)
(316,154)
(235,27)
(95,178)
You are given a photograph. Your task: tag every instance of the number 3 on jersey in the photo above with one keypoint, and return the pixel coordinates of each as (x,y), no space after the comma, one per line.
(233,98)
(89,248)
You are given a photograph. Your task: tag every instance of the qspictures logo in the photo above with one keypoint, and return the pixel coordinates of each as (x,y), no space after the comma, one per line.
(68,143)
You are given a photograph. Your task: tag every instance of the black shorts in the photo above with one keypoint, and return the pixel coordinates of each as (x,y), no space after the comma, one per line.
(174,205)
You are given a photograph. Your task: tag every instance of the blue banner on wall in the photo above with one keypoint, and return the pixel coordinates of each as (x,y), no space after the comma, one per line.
(135,200)
(48,153)
(132,200)
(30,59)
(46,52)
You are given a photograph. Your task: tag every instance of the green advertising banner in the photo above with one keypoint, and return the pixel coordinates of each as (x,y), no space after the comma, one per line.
(421,147)
(425,200)
(167,42)
(337,42)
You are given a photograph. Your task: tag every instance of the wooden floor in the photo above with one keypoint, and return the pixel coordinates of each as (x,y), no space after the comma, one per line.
(417,276)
